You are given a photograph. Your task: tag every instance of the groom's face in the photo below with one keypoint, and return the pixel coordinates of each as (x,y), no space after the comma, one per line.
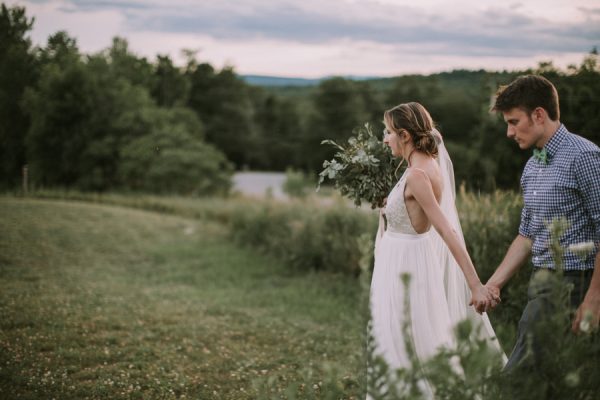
(522,128)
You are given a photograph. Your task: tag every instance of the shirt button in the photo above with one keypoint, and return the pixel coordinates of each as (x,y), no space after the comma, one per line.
(534,192)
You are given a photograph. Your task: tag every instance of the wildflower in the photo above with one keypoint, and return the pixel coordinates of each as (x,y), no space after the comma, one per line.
(582,249)
(586,323)
(572,379)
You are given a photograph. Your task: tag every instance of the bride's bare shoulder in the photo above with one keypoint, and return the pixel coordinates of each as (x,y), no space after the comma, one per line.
(428,171)
(428,174)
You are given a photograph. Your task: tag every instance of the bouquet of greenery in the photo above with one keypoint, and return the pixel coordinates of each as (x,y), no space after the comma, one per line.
(363,170)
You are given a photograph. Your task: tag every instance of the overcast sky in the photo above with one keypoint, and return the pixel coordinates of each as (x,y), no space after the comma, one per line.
(315,38)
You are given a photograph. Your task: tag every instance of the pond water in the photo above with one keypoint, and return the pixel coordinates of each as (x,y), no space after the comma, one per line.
(260,183)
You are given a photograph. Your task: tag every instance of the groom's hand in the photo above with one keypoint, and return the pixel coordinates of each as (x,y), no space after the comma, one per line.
(484,299)
(587,316)
(495,292)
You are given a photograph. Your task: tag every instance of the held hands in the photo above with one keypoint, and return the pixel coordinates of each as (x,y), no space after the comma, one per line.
(484,298)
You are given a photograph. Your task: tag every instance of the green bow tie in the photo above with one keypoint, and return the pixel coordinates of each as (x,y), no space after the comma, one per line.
(541,155)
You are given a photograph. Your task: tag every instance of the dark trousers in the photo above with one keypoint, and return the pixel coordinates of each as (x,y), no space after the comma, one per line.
(541,305)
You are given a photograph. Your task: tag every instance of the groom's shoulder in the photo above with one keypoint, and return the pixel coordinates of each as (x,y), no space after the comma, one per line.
(579,143)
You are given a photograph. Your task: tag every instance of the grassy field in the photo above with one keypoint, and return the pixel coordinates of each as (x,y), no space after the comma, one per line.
(101,301)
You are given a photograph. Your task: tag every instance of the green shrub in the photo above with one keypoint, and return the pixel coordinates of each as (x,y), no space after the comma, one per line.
(305,235)
(297,184)
(174,162)
(490,222)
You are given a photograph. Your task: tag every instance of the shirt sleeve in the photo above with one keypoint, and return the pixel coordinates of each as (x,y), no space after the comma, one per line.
(524,226)
(587,173)
(525,221)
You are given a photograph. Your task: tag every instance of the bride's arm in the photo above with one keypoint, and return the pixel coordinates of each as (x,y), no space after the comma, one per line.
(422,190)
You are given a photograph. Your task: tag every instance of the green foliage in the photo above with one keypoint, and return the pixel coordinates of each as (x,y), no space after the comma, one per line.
(297,183)
(126,65)
(307,237)
(338,106)
(169,86)
(174,162)
(363,169)
(490,222)
(95,127)
(221,100)
(18,69)
(277,140)
(578,91)
(60,110)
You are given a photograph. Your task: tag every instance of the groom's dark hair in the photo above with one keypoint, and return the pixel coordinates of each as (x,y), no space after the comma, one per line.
(528,92)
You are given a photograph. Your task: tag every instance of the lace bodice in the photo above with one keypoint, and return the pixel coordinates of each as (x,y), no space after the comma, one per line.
(395,210)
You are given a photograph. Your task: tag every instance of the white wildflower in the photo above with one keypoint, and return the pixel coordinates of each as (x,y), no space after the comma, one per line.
(572,379)
(586,323)
(582,249)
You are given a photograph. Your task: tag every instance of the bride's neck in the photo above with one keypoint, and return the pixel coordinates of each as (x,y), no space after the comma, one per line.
(409,154)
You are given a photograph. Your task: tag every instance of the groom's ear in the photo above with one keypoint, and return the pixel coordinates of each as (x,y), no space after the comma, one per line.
(539,115)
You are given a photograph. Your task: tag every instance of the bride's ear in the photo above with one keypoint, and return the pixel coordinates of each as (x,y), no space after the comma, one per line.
(405,136)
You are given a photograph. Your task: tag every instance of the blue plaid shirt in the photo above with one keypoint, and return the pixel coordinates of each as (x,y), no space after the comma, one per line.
(567,186)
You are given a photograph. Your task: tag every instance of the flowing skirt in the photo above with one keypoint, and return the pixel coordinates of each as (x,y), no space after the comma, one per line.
(422,303)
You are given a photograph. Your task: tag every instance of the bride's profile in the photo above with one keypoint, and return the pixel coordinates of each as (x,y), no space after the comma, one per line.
(423,239)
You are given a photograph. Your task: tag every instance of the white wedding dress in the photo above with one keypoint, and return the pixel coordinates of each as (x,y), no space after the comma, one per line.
(438,295)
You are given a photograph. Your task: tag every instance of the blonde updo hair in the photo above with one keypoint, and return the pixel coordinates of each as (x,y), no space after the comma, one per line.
(415,119)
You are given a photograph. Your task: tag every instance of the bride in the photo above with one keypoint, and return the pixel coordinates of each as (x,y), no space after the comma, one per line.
(443,281)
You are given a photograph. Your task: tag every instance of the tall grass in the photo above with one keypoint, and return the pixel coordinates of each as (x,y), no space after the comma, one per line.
(490,222)
(307,236)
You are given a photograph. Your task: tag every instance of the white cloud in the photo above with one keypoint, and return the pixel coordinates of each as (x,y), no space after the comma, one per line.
(318,37)
(89,27)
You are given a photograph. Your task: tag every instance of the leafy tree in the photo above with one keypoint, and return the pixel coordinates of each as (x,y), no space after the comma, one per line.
(170,87)
(580,99)
(278,134)
(408,88)
(60,107)
(91,126)
(339,107)
(373,103)
(61,50)
(222,102)
(126,65)
(18,69)
(173,161)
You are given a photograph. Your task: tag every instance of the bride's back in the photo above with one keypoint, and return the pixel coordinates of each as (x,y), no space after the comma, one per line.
(429,167)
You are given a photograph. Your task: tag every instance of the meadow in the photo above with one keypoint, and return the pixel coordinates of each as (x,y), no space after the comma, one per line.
(154,297)
(111,302)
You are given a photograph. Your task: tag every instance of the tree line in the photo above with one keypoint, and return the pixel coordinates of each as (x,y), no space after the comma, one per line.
(116,121)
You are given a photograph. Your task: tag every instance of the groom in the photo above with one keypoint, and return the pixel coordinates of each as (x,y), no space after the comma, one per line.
(561,179)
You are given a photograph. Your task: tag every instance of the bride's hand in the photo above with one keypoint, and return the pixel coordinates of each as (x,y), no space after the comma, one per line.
(482,298)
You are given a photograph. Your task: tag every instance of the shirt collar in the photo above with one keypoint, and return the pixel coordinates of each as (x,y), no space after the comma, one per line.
(554,143)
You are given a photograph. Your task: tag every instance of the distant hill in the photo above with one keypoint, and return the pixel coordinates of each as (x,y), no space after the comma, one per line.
(260,80)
